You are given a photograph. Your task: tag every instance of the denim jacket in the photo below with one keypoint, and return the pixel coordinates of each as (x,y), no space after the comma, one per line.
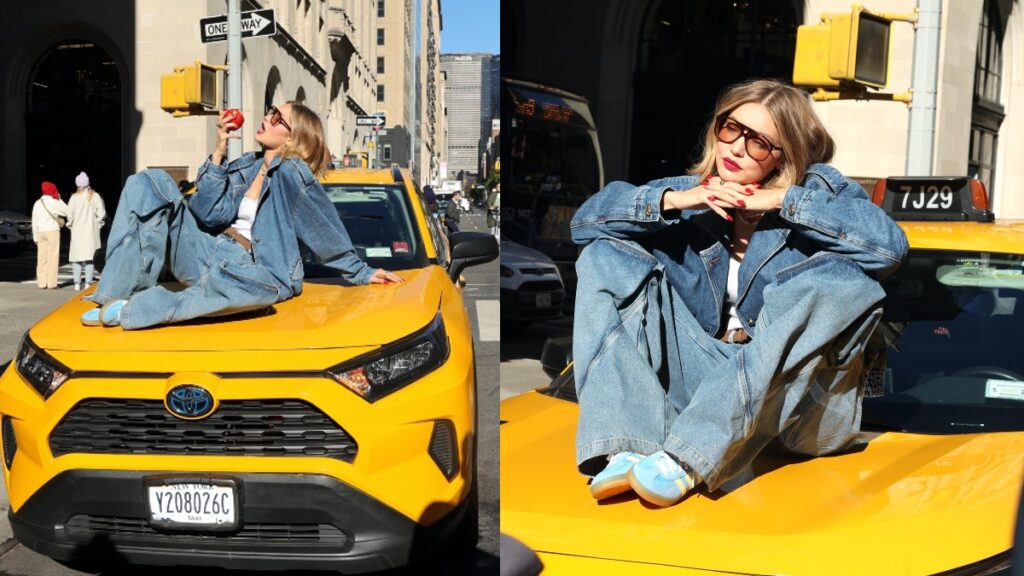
(825,212)
(292,206)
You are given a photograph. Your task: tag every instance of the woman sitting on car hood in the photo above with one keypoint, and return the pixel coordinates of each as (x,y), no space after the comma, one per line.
(234,243)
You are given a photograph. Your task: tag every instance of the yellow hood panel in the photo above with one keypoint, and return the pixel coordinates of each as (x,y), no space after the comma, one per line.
(905,504)
(323,316)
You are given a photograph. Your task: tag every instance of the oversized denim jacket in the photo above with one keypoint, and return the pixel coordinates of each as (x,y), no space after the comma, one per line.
(292,205)
(826,211)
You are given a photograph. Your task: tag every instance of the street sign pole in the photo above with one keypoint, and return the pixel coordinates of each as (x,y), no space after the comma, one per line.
(235,71)
(376,150)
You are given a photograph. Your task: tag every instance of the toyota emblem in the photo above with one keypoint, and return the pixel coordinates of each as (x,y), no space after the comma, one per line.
(189,402)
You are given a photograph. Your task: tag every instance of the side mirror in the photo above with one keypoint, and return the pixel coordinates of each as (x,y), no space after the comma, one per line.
(556,354)
(470,249)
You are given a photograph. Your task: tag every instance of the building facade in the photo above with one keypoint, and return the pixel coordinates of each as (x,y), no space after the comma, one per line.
(644,68)
(466,102)
(396,78)
(83,85)
(431,146)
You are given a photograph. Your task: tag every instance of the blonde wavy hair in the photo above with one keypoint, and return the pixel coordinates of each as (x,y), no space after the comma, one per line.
(803,138)
(308,141)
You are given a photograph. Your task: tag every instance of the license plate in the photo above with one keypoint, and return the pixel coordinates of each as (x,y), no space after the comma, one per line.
(544,300)
(193,505)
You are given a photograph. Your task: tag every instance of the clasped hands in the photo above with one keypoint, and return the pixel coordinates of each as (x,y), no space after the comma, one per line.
(720,195)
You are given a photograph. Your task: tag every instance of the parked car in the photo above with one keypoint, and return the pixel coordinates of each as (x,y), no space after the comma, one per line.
(531,286)
(335,430)
(15,232)
(932,486)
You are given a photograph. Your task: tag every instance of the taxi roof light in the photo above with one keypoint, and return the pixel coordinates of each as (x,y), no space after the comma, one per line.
(942,198)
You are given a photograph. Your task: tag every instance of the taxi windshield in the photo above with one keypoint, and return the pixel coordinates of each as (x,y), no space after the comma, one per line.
(950,333)
(379,220)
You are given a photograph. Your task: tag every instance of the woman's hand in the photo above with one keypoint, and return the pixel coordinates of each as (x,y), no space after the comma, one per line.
(225,132)
(720,197)
(382,276)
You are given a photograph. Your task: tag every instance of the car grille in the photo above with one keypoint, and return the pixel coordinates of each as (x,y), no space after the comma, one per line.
(538,271)
(237,428)
(541,286)
(138,528)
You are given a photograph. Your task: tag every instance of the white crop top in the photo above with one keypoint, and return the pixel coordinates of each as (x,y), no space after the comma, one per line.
(246,216)
(732,289)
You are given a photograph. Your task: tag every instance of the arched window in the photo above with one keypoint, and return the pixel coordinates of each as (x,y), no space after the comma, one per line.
(987,113)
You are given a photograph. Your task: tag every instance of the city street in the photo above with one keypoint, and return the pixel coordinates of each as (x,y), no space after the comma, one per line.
(22,304)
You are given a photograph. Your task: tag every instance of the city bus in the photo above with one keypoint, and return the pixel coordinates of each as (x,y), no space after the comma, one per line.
(553,164)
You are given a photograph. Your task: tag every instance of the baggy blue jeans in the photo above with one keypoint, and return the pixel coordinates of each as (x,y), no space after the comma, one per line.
(648,377)
(153,225)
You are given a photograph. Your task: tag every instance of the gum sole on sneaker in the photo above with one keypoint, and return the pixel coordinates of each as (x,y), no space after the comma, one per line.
(649,496)
(610,488)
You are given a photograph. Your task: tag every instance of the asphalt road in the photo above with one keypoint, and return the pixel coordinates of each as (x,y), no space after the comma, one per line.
(22,304)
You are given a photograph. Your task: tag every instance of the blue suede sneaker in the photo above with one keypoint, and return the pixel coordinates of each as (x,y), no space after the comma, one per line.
(92,317)
(612,480)
(110,313)
(660,479)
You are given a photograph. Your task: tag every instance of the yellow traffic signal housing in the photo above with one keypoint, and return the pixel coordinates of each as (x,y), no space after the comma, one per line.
(810,67)
(848,48)
(859,49)
(191,89)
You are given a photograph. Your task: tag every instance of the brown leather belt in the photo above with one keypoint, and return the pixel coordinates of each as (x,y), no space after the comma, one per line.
(736,336)
(237,237)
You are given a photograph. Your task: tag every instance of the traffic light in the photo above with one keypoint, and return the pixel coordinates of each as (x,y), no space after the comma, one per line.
(848,48)
(193,89)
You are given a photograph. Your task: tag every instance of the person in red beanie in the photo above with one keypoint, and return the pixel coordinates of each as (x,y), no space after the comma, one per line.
(48,217)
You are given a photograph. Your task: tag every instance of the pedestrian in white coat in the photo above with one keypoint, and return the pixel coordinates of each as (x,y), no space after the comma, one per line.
(48,214)
(85,218)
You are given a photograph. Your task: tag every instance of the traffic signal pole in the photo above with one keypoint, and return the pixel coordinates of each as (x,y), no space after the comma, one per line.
(924,85)
(234,71)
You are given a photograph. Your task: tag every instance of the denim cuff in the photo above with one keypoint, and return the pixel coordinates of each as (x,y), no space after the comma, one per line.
(608,446)
(693,458)
(217,171)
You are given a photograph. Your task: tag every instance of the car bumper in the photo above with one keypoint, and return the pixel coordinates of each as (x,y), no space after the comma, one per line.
(523,303)
(286,521)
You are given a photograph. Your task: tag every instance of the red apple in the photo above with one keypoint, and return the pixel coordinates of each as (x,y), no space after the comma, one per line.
(233,116)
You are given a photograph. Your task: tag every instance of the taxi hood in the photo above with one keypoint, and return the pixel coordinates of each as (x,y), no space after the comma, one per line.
(324,316)
(903,504)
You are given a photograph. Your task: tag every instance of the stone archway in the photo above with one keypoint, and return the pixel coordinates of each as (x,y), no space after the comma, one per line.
(270,93)
(73,119)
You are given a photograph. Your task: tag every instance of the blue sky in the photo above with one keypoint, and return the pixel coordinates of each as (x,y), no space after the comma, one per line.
(470,26)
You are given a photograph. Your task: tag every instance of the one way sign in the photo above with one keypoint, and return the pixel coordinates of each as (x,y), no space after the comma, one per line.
(254,23)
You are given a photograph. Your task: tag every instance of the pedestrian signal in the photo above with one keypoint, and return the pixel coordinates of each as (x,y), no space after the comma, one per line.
(193,89)
(848,48)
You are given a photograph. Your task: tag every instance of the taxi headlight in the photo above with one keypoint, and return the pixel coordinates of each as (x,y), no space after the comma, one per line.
(39,369)
(379,373)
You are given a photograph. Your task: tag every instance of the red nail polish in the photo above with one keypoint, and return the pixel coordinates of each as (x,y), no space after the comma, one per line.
(748,191)
(729,218)
(741,203)
(712,198)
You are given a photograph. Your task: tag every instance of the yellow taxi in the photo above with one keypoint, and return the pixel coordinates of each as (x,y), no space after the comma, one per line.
(335,430)
(932,487)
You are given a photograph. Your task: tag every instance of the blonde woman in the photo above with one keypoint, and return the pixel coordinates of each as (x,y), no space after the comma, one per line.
(234,244)
(741,300)
(85,218)
(48,216)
